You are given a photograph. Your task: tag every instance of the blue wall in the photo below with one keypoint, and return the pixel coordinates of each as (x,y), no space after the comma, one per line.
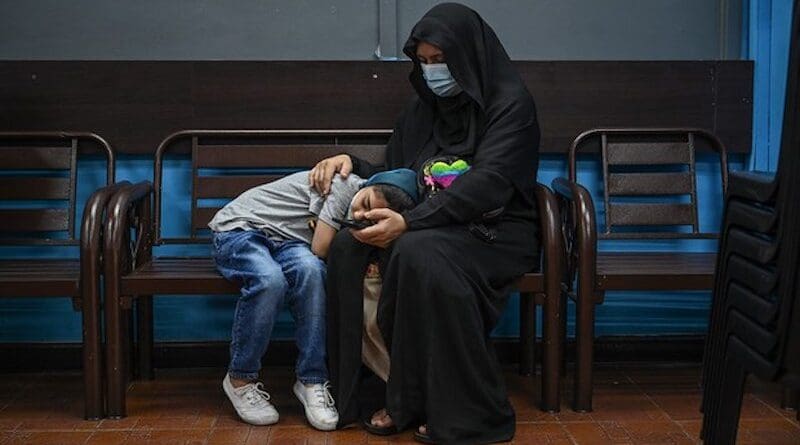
(766,23)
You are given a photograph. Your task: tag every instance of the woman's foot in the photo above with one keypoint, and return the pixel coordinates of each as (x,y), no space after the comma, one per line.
(421,435)
(380,424)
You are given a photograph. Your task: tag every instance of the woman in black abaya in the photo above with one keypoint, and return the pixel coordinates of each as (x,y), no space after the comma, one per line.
(447,264)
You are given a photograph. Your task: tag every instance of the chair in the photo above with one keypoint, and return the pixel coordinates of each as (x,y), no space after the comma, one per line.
(754,326)
(38,185)
(649,193)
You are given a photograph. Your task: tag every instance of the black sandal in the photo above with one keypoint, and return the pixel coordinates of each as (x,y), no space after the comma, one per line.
(423,438)
(378,430)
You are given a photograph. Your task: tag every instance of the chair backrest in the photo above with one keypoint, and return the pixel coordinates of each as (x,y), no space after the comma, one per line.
(225,163)
(38,175)
(649,180)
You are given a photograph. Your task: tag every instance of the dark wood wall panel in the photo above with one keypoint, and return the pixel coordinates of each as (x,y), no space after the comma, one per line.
(135,104)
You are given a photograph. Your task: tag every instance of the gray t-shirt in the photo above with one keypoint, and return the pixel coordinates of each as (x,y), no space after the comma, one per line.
(282,208)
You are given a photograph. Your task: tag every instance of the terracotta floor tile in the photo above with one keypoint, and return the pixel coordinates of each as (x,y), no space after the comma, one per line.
(631,407)
(126,423)
(541,433)
(659,432)
(9,424)
(354,436)
(404,438)
(230,420)
(528,411)
(288,435)
(679,406)
(591,433)
(641,404)
(691,428)
(5,436)
(59,424)
(166,423)
(229,436)
(48,438)
(768,431)
(258,436)
(615,431)
(109,438)
(167,437)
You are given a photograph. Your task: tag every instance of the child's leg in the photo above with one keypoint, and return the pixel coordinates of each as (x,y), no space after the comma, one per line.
(305,274)
(244,257)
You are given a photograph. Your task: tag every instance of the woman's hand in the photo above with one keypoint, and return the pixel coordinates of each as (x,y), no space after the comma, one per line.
(321,176)
(389,226)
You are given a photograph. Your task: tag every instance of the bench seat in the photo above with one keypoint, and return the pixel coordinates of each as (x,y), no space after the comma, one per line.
(640,270)
(177,275)
(39,278)
(198,275)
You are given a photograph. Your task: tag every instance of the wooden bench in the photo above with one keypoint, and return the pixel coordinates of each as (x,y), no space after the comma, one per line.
(652,171)
(133,273)
(38,185)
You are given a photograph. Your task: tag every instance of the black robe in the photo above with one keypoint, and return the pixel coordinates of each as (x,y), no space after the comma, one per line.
(444,288)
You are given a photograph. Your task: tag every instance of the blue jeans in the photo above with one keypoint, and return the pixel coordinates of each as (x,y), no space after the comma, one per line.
(271,272)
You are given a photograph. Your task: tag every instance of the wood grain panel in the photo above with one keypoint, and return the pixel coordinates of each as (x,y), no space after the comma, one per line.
(620,153)
(34,220)
(633,184)
(650,214)
(45,158)
(135,104)
(16,187)
(229,186)
(277,156)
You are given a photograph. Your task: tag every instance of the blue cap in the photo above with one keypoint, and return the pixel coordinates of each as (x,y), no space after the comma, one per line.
(403,178)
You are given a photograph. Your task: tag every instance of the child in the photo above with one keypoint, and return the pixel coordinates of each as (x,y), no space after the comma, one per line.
(263,241)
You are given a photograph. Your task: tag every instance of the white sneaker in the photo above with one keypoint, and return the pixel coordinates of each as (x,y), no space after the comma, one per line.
(319,405)
(251,402)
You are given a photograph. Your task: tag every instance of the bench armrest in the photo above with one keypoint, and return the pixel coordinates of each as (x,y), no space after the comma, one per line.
(579,231)
(91,235)
(552,259)
(130,207)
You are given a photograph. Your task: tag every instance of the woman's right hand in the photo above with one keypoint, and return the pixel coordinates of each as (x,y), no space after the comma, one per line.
(321,176)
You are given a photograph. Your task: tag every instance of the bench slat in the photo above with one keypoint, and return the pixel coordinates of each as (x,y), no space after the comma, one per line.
(34,220)
(45,158)
(635,184)
(655,270)
(648,153)
(229,186)
(32,188)
(40,278)
(650,214)
(280,156)
(202,215)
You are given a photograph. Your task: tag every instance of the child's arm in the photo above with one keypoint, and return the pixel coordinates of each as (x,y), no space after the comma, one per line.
(323,236)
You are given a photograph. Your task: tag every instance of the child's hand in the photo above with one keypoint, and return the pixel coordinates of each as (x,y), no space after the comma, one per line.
(389,225)
(321,175)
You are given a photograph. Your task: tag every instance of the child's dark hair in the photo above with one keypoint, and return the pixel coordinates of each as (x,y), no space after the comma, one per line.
(395,197)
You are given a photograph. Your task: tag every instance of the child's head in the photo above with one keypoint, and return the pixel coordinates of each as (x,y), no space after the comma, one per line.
(393,189)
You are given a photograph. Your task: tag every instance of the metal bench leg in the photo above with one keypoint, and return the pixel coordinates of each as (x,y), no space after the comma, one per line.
(144,329)
(562,354)
(115,350)
(584,351)
(92,356)
(552,350)
(130,347)
(527,334)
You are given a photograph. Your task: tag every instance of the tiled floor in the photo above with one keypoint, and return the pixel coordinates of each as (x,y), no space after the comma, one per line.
(642,404)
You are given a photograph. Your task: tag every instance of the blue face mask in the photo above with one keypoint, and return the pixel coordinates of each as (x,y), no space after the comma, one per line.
(439,79)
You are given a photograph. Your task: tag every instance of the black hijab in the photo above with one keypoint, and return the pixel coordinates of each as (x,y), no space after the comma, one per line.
(494,97)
